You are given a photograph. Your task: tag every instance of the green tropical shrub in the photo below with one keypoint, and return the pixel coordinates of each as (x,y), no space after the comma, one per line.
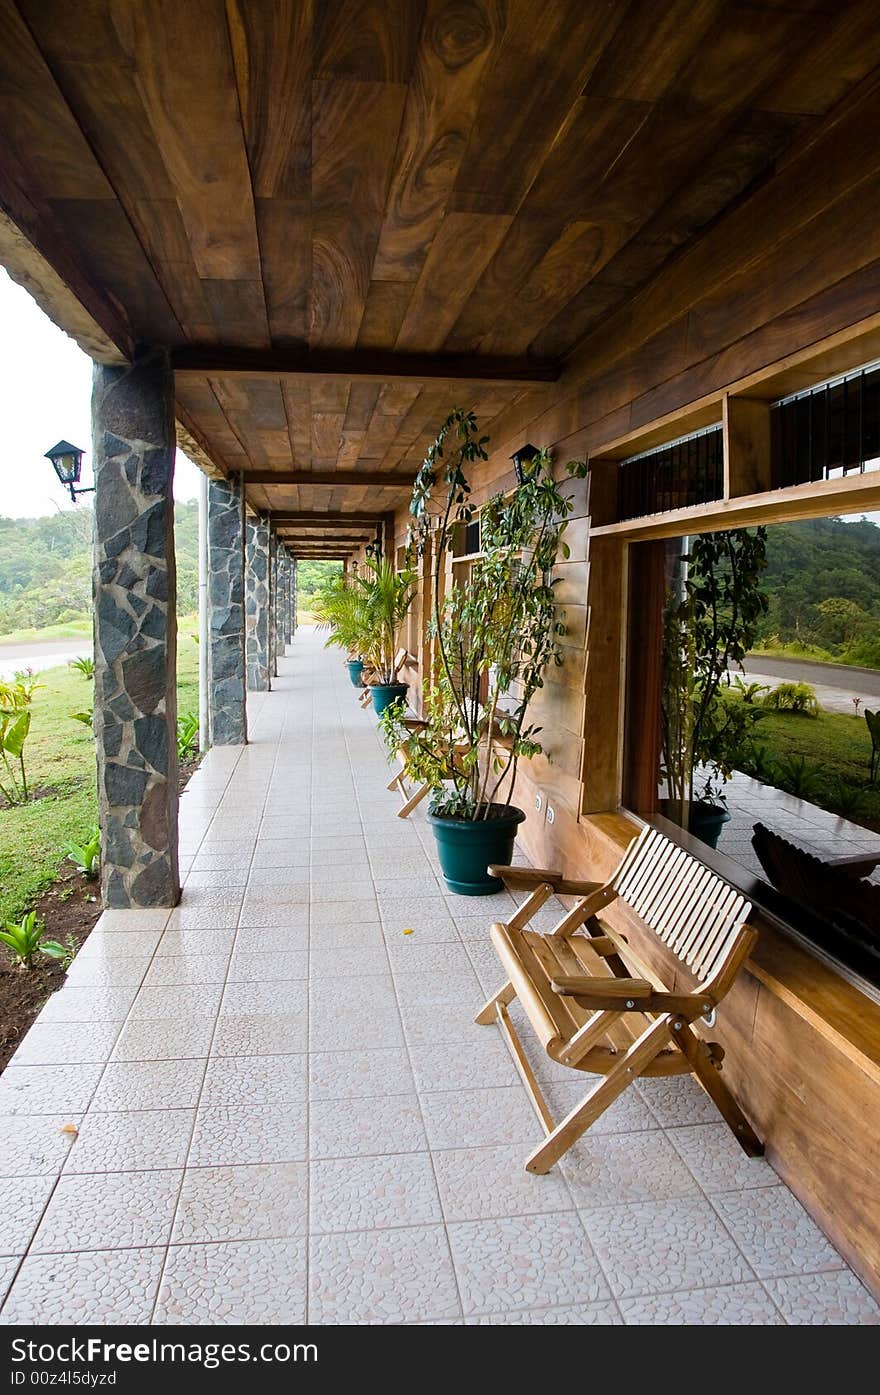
(25,938)
(794,697)
(86,856)
(187,735)
(84,665)
(799,777)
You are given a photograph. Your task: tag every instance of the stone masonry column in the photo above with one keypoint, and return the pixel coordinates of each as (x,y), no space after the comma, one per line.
(294,580)
(227,702)
(273,605)
(135,625)
(257,603)
(288,627)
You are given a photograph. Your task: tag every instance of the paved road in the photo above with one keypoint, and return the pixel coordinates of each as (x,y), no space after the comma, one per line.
(834,684)
(865,681)
(41,654)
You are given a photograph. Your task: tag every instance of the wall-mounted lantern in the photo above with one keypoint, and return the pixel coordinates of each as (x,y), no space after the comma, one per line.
(522,459)
(374,549)
(67,462)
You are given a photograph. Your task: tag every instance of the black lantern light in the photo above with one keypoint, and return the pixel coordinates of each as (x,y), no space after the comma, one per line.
(522,459)
(67,461)
(374,549)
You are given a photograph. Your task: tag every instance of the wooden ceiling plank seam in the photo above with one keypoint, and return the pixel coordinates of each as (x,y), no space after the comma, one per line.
(204,154)
(354,135)
(457,43)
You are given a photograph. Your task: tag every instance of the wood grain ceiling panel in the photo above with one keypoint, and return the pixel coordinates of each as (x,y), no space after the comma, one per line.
(354,134)
(458,41)
(488,178)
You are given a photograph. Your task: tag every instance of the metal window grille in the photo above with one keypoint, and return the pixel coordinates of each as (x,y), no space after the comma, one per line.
(827,431)
(674,476)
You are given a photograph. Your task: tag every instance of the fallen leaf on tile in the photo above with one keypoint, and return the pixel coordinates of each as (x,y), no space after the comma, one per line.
(408,931)
(69,1128)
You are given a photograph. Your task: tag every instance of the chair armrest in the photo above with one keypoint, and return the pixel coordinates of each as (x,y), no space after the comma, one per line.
(525,876)
(608,992)
(630,994)
(539,876)
(862,863)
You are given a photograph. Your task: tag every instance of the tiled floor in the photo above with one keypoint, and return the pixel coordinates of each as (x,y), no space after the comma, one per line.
(284,1110)
(805,824)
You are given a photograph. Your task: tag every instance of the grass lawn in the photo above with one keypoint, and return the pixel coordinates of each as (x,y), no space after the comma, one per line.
(60,756)
(76,629)
(838,750)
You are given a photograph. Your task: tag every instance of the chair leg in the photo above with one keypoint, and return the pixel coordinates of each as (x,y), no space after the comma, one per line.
(569,1129)
(487,1014)
(699,1059)
(413,801)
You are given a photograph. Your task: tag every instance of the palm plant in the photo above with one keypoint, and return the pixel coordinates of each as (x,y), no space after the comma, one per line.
(388,595)
(342,608)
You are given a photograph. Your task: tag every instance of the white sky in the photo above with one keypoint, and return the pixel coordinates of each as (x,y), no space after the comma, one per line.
(45,390)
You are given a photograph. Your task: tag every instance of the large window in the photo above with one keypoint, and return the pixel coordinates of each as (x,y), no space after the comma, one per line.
(753,677)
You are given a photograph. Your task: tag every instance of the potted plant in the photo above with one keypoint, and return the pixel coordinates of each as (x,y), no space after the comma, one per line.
(388,595)
(713,606)
(494,638)
(342,608)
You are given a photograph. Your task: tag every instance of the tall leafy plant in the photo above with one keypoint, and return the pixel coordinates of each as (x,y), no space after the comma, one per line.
(713,611)
(15,726)
(494,635)
(342,607)
(388,595)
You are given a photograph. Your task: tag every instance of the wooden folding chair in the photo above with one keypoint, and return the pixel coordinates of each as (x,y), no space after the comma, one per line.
(596,1006)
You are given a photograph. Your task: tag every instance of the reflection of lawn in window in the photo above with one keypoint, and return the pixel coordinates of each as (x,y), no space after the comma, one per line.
(836,750)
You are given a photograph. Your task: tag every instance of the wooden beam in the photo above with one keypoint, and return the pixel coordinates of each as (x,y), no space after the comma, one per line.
(850,494)
(374,479)
(323,520)
(297,539)
(210,361)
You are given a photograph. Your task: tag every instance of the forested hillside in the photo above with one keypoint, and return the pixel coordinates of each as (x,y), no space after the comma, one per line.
(45,567)
(823,586)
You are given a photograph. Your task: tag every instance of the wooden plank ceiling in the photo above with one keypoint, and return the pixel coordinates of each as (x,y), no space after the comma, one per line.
(347,216)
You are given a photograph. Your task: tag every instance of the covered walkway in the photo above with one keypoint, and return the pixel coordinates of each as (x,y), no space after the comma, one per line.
(271,1105)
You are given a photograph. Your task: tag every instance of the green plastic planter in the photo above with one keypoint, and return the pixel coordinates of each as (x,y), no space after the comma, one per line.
(386,693)
(706,822)
(466,849)
(355,671)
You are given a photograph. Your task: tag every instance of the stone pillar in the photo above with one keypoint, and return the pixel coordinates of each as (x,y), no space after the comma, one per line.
(135,624)
(227,711)
(273,605)
(288,625)
(257,603)
(294,580)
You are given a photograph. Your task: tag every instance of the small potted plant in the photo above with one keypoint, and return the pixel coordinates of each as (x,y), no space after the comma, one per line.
(388,595)
(342,608)
(713,607)
(495,636)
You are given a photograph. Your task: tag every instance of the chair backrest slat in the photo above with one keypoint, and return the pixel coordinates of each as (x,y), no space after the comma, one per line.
(691,909)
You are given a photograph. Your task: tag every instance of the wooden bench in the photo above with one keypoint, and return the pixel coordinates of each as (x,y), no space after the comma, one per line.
(596,1006)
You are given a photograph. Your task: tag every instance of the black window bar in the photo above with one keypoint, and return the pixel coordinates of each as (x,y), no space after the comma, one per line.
(674,476)
(467,540)
(827,431)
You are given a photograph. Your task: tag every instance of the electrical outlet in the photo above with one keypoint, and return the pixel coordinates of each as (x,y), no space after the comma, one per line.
(539,803)
(551,813)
